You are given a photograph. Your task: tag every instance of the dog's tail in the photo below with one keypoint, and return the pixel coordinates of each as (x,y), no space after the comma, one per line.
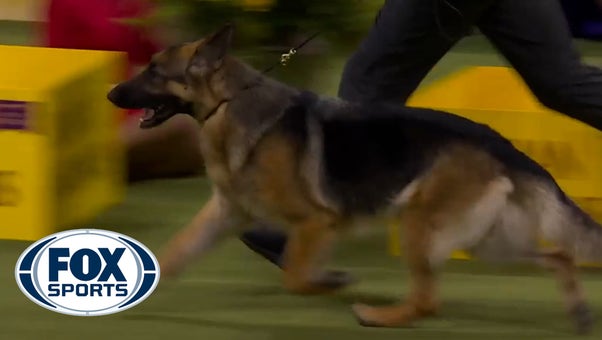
(564,223)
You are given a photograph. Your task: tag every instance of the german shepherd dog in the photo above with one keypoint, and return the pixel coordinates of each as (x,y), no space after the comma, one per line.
(319,165)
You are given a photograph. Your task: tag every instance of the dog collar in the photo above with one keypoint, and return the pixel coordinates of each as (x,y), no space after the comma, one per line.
(214,110)
(226,100)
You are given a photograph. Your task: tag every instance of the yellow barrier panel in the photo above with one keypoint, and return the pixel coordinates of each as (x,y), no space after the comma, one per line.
(497,96)
(61,158)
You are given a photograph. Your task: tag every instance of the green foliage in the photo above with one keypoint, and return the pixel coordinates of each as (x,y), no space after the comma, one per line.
(271,22)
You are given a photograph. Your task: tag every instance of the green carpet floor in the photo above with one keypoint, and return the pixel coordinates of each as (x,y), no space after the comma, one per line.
(234,294)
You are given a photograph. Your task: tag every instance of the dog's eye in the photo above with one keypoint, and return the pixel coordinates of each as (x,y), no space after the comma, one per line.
(154,71)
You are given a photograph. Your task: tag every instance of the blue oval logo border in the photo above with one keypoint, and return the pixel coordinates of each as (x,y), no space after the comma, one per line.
(148,276)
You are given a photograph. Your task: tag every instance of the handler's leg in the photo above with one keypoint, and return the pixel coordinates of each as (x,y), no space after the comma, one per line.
(407,39)
(534,36)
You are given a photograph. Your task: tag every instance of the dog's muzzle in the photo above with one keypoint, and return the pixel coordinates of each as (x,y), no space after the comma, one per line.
(157,108)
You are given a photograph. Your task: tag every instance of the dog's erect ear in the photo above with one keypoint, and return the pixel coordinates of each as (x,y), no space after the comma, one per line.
(222,39)
(210,54)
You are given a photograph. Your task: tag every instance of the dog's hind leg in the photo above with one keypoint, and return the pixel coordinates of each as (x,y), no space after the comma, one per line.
(452,207)
(564,267)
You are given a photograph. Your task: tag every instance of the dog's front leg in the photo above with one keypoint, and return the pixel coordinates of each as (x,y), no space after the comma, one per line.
(307,249)
(210,224)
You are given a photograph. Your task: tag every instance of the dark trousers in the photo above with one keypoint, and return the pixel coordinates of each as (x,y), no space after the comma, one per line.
(410,36)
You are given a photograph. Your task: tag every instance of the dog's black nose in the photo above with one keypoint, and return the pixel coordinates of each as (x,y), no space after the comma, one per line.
(113,95)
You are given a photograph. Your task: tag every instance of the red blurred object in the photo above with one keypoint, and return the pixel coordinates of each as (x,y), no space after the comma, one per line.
(92,24)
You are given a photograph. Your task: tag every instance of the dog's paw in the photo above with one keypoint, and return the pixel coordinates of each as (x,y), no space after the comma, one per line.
(583,318)
(388,316)
(334,279)
(170,270)
(324,283)
(362,314)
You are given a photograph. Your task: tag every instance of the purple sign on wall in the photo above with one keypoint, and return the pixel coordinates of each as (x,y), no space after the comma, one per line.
(13,115)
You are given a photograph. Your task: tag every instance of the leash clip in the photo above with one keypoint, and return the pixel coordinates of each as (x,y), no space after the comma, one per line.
(284,58)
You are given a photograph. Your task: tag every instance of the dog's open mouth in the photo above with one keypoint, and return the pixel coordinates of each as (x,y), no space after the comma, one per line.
(155,116)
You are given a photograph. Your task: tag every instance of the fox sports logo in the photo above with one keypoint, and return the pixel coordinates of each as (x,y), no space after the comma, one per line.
(87,272)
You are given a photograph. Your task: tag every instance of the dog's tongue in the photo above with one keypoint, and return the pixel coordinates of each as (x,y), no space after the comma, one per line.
(148,114)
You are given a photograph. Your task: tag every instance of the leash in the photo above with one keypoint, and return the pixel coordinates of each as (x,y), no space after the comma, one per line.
(285,57)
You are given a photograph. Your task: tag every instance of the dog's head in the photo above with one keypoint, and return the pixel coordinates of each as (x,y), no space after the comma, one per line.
(162,88)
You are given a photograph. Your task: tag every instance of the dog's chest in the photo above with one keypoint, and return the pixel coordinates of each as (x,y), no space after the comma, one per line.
(214,148)
(221,151)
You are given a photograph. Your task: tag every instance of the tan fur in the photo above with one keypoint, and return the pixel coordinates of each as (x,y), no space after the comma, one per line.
(208,226)
(465,200)
(442,212)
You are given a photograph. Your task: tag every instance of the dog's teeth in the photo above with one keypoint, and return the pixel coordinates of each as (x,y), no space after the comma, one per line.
(148,114)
